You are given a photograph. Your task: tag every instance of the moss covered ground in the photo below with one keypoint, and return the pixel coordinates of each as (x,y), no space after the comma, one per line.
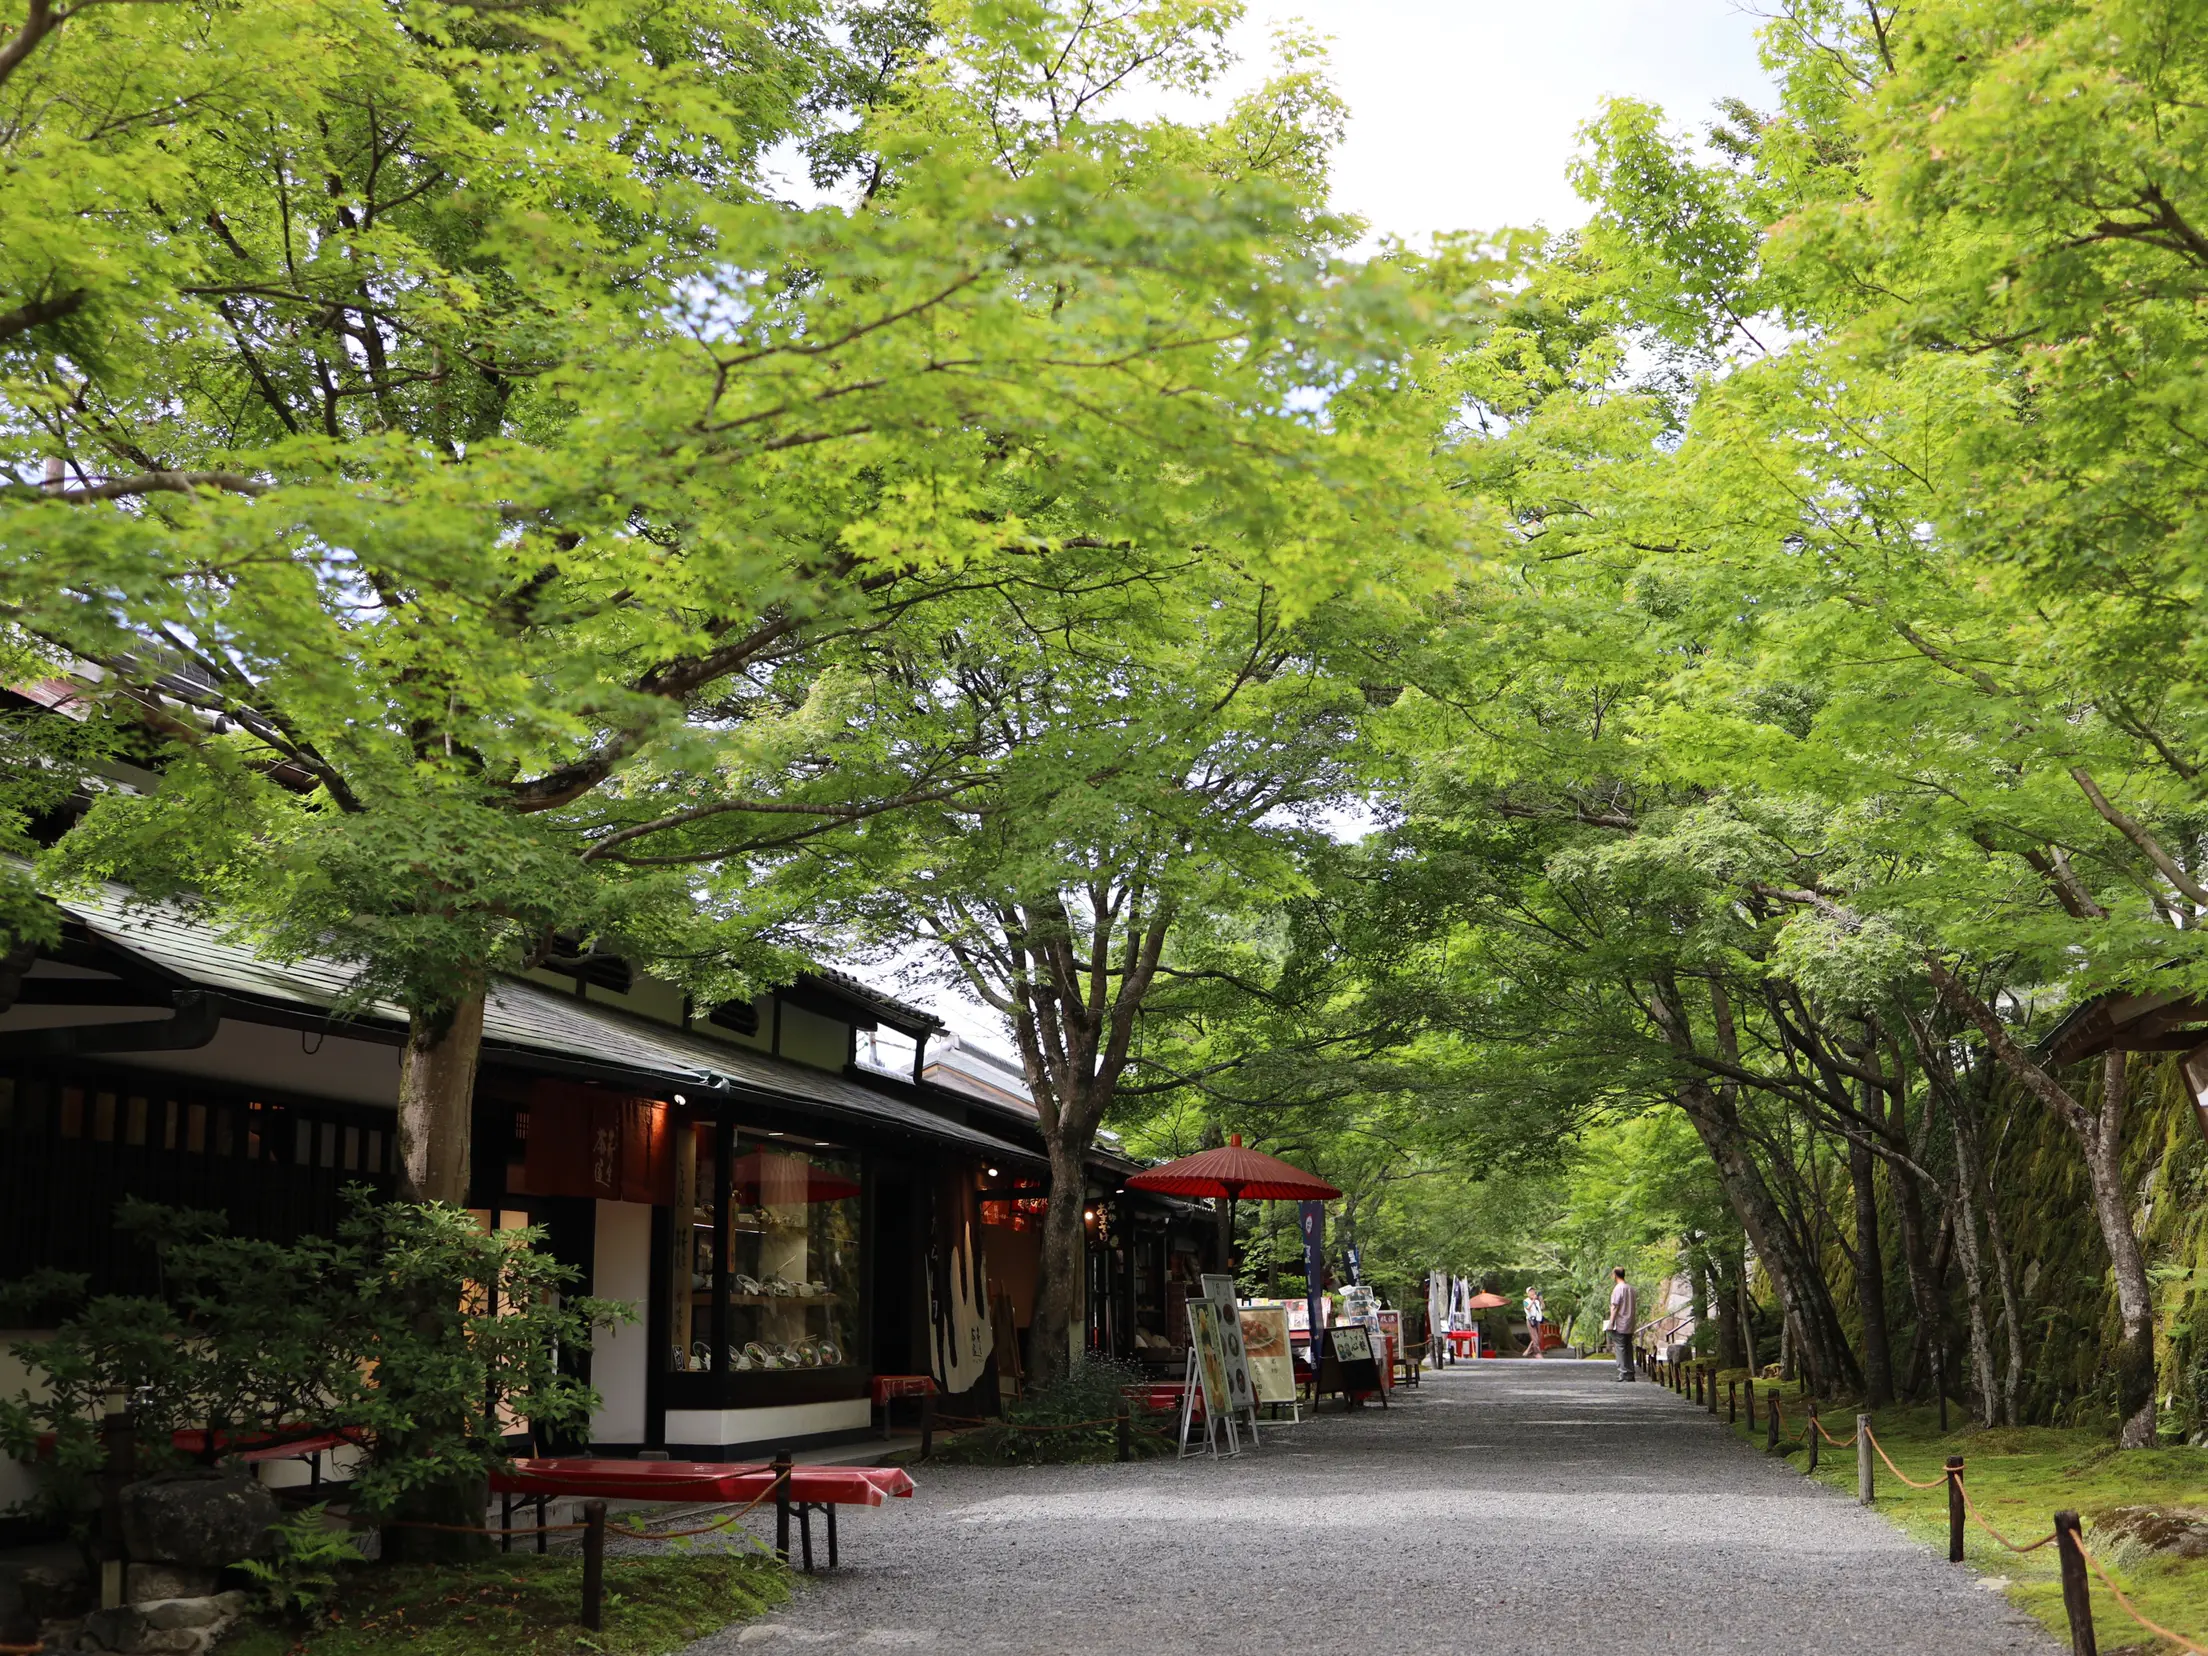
(2019,1477)
(528,1606)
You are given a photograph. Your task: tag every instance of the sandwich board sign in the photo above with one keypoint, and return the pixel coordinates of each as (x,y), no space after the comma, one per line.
(1241,1389)
(1207,1368)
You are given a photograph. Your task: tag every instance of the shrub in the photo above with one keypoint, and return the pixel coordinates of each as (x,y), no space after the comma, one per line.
(1070,1420)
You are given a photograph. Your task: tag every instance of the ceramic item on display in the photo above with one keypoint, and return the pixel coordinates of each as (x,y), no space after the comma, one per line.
(701,1355)
(816,1288)
(804,1290)
(697,1279)
(777,1288)
(748,1285)
(831,1354)
(737,1361)
(757,1356)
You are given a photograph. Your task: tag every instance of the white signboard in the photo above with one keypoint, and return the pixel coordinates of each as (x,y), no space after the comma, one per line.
(1241,1392)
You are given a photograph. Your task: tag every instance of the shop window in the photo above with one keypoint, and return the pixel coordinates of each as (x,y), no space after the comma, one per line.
(767,1270)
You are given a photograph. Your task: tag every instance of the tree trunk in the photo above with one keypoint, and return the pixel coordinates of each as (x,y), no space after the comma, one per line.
(1926,1272)
(1974,1293)
(1732,1272)
(437,1101)
(2104,1159)
(1059,1289)
(2012,1314)
(1870,1275)
(1222,1215)
(1794,1275)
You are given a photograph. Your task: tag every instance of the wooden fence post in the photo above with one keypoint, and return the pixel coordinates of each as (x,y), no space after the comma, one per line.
(2076,1599)
(1732,1401)
(1751,1390)
(1954,1509)
(1710,1393)
(781,1469)
(1816,1436)
(594,1565)
(1866,1489)
(1771,1426)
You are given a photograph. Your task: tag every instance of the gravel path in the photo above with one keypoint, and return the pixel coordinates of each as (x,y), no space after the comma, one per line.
(1499,1503)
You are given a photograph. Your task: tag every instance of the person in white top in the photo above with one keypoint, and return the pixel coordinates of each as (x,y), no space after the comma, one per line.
(1621,1322)
(1537,1315)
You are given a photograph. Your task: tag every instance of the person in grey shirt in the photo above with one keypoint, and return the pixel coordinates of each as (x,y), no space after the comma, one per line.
(1621,1322)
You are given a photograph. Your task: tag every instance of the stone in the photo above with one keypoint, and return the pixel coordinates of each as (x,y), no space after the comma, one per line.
(201,1517)
(169,1627)
(52,1593)
(17,1624)
(142,1582)
(168,1614)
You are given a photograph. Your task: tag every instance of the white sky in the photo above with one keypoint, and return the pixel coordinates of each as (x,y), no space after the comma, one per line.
(1462,117)
(1462,112)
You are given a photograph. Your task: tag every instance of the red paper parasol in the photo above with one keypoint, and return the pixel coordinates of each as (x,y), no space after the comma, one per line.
(1484,1301)
(1233,1172)
(775,1177)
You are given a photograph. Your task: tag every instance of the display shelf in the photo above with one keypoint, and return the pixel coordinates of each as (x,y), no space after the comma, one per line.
(704,1296)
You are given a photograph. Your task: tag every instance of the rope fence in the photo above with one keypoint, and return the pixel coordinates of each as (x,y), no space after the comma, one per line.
(2076,1557)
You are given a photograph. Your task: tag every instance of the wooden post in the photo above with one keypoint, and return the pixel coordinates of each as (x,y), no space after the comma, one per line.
(2076,1599)
(1119,1425)
(1816,1436)
(927,1425)
(1954,1509)
(1750,1388)
(594,1565)
(1771,1426)
(1732,1401)
(1710,1393)
(781,1470)
(118,1467)
(1866,1489)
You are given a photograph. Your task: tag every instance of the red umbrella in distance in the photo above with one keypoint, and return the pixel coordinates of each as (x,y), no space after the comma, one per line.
(1484,1301)
(1233,1172)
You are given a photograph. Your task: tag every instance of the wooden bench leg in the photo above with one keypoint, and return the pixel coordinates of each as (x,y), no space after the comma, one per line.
(831,1537)
(544,1509)
(505,1523)
(805,1532)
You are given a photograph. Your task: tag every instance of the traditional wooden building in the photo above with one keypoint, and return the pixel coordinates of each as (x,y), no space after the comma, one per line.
(789,1222)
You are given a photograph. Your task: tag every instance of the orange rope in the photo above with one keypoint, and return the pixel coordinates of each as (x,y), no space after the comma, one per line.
(1847,1442)
(1897,1471)
(720,1523)
(1970,1506)
(1015,1426)
(2117,1592)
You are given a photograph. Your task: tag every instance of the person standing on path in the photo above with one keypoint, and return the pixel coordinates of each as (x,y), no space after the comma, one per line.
(1537,1315)
(1621,1321)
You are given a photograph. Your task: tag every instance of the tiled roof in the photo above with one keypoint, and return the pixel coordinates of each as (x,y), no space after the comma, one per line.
(519,1017)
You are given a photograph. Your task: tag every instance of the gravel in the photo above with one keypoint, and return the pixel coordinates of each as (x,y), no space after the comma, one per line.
(1499,1503)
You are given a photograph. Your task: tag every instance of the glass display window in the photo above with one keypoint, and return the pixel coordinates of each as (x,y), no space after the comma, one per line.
(768,1273)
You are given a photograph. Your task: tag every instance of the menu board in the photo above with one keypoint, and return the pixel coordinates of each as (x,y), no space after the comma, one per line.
(1272,1359)
(1241,1392)
(1211,1375)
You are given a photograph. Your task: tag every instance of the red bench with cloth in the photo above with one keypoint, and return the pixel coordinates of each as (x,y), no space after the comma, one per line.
(718,1482)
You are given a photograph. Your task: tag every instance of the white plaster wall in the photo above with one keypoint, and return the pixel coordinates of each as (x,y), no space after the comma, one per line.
(622,1270)
(764,1426)
(291,1060)
(809,1038)
(15,1379)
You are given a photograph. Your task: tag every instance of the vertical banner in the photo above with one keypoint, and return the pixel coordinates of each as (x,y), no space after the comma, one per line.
(1312,1216)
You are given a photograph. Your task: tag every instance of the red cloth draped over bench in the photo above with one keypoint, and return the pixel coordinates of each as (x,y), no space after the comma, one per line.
(630,1480)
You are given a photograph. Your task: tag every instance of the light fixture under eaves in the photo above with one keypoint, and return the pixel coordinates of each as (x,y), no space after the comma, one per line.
(679,1099)
(992,1172)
